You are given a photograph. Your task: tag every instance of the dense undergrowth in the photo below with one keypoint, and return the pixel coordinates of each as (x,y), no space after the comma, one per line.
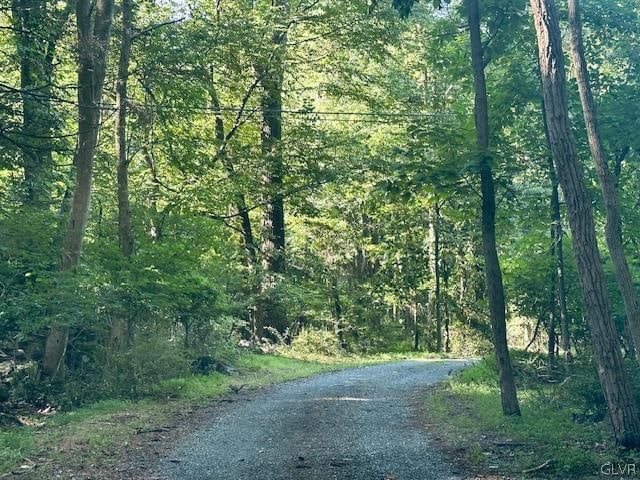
(151,366)
(563,431)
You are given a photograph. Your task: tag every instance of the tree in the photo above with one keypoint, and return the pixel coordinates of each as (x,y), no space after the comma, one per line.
(557,250)
(606,347)
(94,31)
(240,202)
(559,288)
(493,274)
(613,227)
(118,335)
(38,27)
(269,312)
(125,231)
(435,308)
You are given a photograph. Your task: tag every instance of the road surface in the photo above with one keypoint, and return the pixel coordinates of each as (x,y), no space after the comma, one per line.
(359,424)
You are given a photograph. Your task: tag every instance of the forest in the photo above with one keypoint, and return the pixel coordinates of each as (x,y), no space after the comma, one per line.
(187,182)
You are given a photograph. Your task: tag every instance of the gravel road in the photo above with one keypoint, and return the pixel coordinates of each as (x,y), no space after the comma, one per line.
(360,424)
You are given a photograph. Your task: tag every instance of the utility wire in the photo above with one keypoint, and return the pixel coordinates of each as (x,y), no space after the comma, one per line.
(236,109)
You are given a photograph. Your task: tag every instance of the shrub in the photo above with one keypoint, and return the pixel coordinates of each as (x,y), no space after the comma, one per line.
(133,373)
(312,341)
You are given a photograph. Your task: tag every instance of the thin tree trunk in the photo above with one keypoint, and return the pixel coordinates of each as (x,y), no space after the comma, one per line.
(613,227)
(125,232)
(337,311)
(155,228)
(493,273)
(553,275)
(416,327)
(92,47)
(559,300)
(447,319)
(434,266)
(558,251)
(93,40)
(119,335)
(557,235)
(606,346)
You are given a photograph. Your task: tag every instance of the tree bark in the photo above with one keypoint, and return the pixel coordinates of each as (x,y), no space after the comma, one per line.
(434,267)
(55,349)
(606,346)
(125,231)
(93,40)
(558,252)
(447,318)
(613,227)
(492,270)
(269,313)
(557,234)
(36,48)
(337,312)
(119,336)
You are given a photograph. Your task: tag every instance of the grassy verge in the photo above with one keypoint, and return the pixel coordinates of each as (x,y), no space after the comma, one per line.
(89,435)
(550,440)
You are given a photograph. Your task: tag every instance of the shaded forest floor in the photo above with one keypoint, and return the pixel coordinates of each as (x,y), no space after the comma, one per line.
(557,436)
(92,442)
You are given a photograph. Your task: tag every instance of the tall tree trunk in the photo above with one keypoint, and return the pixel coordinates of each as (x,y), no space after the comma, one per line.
(558,251)
(269,312)
(559,306)
(119,336)
(125,232)
(492,270)
(606,346)
(553,274)
(613,228)
(93,40)
(36,49)
(551,327)
(434,267)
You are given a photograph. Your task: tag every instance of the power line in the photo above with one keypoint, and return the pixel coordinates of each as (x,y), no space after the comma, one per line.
(240,109)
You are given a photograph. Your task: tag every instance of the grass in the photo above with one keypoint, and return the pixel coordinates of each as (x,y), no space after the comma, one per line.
(467,409)
(89,434)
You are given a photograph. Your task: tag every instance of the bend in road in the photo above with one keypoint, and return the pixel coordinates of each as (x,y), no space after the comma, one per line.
(357,424)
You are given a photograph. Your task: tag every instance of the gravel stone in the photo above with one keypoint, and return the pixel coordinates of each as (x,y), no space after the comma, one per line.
(358,424)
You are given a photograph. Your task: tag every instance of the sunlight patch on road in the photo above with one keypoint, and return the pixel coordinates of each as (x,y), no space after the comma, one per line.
(344,399)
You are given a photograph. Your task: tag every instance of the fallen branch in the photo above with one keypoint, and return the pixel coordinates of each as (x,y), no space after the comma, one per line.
(539,467)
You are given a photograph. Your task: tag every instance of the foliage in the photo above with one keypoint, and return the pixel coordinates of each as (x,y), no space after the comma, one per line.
(378,159)
(315,341)
(550,427)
